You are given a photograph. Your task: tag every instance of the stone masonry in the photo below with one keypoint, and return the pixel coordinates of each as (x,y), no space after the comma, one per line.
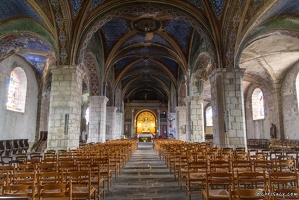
(65,107)
(181,123)
(111,120)
(229,129)
(97,118)
(197,118)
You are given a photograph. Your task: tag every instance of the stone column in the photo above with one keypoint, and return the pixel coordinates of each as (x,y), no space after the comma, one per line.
(197,118)
(229,128)
(111,123)
(132,123)
(119,126)
(97,118)
(158,123)
(188,119)
(65,108)
(181,123)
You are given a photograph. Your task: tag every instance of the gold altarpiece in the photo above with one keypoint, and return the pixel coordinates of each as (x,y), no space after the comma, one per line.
(146,123)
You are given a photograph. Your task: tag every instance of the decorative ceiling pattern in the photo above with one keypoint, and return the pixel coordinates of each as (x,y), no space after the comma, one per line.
(143,46)
(36,60)
(120,65)
(218,6)
(181,31)
(94,79)
(197,3)
(141,38)
(17,8)
(288,7)
(95,3)
(113,30)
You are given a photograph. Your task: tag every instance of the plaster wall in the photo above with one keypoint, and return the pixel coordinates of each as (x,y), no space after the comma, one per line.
(259,129)
(18,125)
(290,104)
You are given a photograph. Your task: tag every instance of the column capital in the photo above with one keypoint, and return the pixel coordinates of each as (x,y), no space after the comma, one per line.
(100,99)
(57,69)
(226,70)
(187,99)
(111,109)
(196,98)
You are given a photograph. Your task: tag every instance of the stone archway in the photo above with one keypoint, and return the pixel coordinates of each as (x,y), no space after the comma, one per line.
(146,123)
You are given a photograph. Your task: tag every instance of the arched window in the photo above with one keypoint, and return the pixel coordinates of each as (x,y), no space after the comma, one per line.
(257,99)
(17,90)
(209,116)
(87,115)
(297,90)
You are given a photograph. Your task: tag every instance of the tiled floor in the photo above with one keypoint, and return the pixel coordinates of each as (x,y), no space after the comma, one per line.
(145,176)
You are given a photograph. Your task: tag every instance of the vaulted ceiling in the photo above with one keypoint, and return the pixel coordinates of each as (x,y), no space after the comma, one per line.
(150,47)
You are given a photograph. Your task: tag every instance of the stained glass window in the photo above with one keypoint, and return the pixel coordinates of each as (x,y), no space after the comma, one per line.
(13,91)
(17,90)
(209,116)
(258,104)
(87,115)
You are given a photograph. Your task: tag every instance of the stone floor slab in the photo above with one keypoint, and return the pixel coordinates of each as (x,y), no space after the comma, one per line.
(146,177)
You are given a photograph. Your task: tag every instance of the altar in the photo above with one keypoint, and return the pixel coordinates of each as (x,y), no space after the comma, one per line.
(149,136)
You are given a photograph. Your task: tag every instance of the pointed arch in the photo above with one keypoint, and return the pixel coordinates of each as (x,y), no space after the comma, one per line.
(17,89)
(258,110)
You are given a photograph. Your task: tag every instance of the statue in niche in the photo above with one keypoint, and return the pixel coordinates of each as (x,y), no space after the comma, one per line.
(146,125)
(273,131)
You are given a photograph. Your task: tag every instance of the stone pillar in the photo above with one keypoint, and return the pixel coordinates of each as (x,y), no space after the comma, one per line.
(229,128)
(158,123)
(111,123)
(197,118)
(97,118)
(132,123)
(188,119)
(119,126)
(278,118)
(65,108)
(181,123)
(172,124)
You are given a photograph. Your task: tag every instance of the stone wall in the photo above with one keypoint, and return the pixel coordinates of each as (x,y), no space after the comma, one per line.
(65,108)
(97,118)
(44,112)
(197,121)
(181,120)
(290,108)
(111,123)
(227,100)
(18,125)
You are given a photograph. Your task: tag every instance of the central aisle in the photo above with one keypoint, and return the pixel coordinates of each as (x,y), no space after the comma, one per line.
(145,176)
